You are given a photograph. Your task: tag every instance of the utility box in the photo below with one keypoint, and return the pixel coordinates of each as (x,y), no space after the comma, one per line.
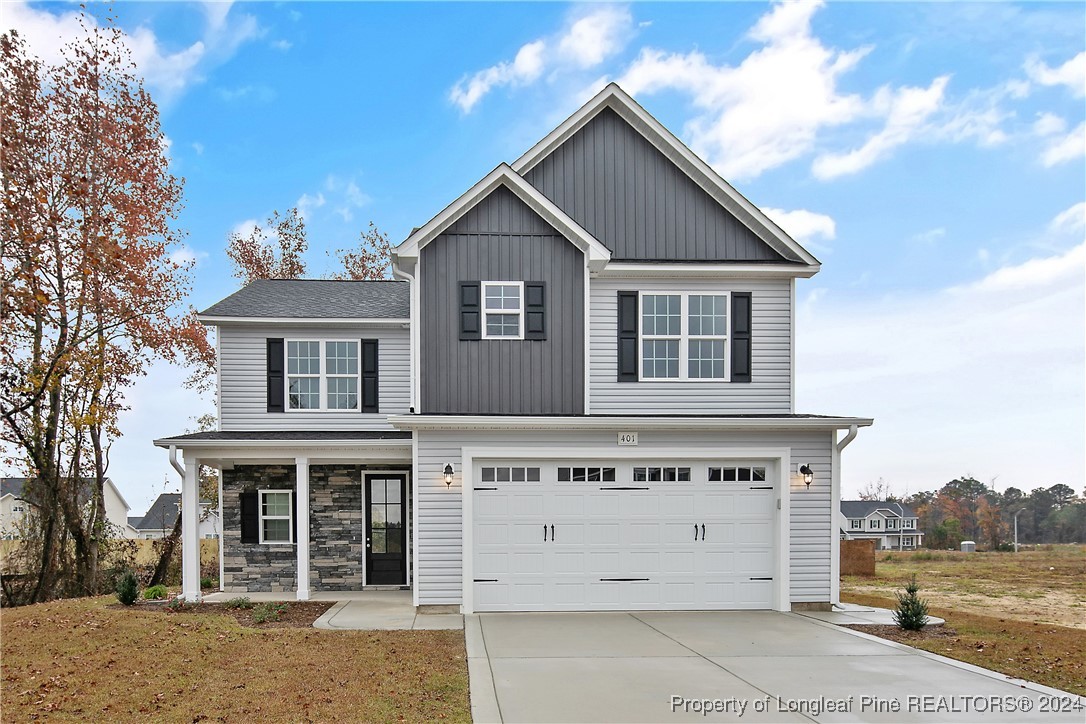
(969,546)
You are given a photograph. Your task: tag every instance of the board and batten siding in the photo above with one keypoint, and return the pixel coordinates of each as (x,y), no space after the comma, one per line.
(243,396)
(439,534)
(501,239)
(631,197)
(770,388)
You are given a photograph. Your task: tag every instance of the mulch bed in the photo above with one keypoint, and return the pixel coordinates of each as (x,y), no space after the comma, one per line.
(298,614)
(894,633)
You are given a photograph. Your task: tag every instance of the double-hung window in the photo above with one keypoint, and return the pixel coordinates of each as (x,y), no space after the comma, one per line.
(503,310)
(684,336)
(322,375)
(275,516)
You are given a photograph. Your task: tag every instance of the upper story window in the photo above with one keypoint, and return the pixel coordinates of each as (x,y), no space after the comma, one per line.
(908,523)
(684,336)
(875,524)
(891,524)
(503,309)
(858,523)
(322,375)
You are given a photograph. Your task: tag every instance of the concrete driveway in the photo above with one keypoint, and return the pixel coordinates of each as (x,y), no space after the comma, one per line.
(741,666)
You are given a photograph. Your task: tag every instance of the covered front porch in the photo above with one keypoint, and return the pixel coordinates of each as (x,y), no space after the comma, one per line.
(305,514)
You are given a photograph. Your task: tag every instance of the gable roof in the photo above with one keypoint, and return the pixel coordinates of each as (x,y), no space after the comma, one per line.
(162,513)
(620,102)
(16,486)
(864,508)
(315,299)
(598,255)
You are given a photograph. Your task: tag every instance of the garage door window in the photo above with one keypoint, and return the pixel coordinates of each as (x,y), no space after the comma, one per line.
(510,475)
(586,475)
(737,475)
(661,474)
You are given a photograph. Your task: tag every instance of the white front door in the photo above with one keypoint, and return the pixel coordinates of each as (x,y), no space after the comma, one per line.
(623,535)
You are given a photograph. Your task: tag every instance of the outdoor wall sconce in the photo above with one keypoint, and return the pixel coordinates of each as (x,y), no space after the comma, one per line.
(448,475)
(808,475)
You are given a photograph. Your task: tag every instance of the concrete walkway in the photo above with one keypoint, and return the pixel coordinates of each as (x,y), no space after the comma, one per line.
(748,666)
(362,610)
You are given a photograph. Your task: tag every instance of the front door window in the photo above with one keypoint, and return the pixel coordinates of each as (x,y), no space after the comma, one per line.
(386,540)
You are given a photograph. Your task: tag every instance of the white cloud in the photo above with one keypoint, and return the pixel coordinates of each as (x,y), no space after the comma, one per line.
(198,148)
(282,45)
(906,111)
(244,228)
(928,237)
(167,73)
(1071,74)
(587,40)
(802,225)
(1048,124)
(984,376)
(257,93)
(307,203)
(1071,221)
(1065,148)
(185,256)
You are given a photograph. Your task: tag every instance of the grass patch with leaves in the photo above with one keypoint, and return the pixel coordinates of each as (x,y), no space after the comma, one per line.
(1047,654)
(79,659)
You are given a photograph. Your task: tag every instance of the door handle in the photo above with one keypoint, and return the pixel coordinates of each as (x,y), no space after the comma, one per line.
(695,531)
(552,532)
(703,531)
(544,532)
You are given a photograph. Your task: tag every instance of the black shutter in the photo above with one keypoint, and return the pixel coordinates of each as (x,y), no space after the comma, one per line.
(741,318)
(275,365)
(250,516)
(369,376)
(535,310)
(471,311)
(627,336)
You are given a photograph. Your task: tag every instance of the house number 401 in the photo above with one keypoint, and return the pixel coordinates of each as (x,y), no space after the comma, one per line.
(627,438)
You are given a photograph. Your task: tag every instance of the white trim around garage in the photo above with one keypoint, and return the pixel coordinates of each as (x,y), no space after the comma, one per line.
(783,486)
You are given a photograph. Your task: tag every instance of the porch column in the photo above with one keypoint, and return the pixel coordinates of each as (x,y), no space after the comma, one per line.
(302,526)
(190,531)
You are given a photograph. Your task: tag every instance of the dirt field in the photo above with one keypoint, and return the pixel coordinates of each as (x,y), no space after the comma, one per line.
(1045,585)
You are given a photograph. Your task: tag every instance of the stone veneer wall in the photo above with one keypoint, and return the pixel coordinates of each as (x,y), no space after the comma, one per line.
(338,530)
(252,567)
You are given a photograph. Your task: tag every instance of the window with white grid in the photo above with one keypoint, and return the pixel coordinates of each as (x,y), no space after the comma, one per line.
(684,336)
(503,310)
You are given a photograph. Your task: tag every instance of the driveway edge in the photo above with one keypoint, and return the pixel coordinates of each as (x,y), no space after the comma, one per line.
(481,690)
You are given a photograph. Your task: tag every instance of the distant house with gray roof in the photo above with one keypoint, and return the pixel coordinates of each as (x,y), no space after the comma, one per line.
(16,502)
(160,518)
(890,524)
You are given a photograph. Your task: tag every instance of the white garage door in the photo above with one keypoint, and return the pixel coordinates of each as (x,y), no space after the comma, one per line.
(623,535)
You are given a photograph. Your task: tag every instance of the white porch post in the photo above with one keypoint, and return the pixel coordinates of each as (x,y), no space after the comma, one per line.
(302,526)
(190,531)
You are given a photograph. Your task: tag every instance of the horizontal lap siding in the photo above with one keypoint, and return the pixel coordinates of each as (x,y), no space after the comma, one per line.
(770,391)
(440,535)
(243,379)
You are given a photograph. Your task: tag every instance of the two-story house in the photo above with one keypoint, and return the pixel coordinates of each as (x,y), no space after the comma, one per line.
(578,395)
(891,525)
(17,502)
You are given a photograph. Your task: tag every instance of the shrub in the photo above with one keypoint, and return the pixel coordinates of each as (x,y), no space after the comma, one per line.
(127,588)
(911,613)
(207,583)
(155,592)
(265,612)
(240,602)
(175,604)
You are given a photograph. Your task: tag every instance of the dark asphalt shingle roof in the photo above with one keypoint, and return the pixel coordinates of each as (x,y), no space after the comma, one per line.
(316,299)
(162,513)
(293,436)
(863,508)
(12,486)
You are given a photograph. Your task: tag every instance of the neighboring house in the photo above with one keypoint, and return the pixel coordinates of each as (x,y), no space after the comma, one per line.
(578,396)
(14,507)
(891,525)
(162,516)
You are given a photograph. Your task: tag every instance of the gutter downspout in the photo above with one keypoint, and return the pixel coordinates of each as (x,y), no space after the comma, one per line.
(835,528)
(410,279)
(176,465)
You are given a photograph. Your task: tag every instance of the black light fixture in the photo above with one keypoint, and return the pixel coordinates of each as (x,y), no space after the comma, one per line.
(808,475)
(448,475)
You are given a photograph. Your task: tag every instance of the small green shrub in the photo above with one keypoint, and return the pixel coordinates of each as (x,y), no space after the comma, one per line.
(127,588)
(155,593)
(240,602)
(265,612)
(175,604)
(911,613)
(207,583)
(888,558)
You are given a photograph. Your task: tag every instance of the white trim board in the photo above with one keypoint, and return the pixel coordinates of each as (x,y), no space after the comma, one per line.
(783,490)
(624,422)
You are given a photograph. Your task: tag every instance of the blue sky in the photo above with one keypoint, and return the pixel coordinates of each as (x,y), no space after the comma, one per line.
(932,155)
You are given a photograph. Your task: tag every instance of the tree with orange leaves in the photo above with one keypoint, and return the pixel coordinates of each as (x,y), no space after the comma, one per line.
(91,291)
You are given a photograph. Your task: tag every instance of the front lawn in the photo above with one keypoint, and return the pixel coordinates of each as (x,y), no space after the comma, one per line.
(78,659)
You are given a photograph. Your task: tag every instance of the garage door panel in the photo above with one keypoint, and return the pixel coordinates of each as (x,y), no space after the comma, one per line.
(603,535)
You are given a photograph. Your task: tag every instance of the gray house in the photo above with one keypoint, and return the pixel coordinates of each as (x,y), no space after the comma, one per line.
(578,394)
(890,524)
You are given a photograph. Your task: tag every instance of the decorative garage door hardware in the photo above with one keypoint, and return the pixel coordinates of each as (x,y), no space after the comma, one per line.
(761,487)
(622,580)
(545,533)
(486,488)
(624,487)
(696,531)
(766,578)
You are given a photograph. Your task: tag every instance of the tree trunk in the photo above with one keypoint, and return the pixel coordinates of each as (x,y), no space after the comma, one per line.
(169,545)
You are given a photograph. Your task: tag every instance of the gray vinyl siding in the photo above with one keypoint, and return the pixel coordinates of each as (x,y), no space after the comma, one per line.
(627,194)
(243,378)
(439,575)
(770,390)
(501,239)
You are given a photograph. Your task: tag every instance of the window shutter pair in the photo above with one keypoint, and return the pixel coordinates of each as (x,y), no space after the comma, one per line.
(534,305)
(740,336)
(276,367)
